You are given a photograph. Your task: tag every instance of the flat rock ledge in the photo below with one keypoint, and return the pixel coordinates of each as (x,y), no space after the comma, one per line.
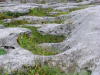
(81,48)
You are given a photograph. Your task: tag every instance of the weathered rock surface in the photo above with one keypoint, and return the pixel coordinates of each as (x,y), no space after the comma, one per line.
(44,1)
(18,8)
(81,48)
(33,19)
(54,29)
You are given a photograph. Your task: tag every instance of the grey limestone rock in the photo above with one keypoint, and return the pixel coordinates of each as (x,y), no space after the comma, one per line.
(81,48)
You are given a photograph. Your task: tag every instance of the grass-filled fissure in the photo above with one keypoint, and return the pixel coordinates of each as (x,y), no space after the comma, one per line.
(40,70)
(7,15)
(31,42)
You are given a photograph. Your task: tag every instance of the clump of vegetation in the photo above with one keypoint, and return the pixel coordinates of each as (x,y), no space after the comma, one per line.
(2,51)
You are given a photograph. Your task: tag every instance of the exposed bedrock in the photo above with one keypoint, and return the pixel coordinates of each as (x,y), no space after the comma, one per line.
(81,48)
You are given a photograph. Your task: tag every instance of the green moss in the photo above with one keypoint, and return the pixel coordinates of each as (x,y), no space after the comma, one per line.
(2,51)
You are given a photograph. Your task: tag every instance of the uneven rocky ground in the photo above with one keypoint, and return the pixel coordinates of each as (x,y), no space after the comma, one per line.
(80,49)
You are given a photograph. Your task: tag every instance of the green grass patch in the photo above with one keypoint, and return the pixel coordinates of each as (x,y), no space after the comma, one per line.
(45,12)
(37,70)
(44,70)
(40,11)
(7,15)
(2,51)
